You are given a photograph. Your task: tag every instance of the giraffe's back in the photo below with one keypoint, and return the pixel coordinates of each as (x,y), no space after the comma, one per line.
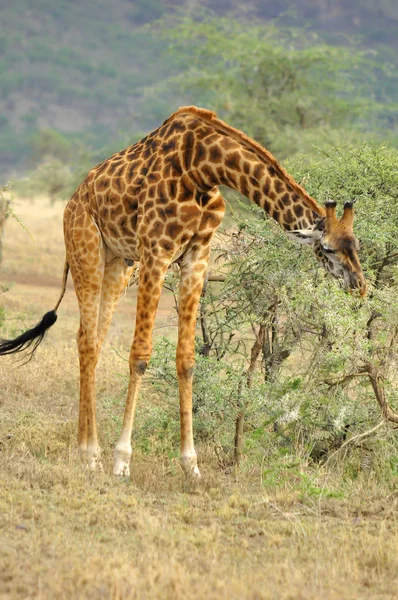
(143,196)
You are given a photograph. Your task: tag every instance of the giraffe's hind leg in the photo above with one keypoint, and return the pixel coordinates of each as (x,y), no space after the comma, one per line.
(86,257)
(97,305)
(192,275)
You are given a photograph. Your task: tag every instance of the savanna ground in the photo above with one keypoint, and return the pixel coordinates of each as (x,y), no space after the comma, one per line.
(68,533)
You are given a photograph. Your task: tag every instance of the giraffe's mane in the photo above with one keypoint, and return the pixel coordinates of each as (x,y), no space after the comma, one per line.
(210,117)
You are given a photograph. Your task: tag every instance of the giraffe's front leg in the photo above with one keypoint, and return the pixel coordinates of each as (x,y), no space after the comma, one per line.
(123,449)
(152,273)
(193,272)
(185,366)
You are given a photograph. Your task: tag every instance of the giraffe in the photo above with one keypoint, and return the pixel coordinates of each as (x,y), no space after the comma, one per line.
(158,202)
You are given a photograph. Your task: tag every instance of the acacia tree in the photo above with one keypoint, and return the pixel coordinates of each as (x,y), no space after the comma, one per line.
(347,347)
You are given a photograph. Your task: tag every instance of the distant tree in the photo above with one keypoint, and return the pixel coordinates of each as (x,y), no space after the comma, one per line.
(284,87)
(146,10)
(51,143)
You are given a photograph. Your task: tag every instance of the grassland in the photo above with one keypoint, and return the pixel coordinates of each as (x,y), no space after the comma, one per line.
(68,533)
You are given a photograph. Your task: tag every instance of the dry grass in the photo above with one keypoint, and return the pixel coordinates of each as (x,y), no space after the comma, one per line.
(67,533)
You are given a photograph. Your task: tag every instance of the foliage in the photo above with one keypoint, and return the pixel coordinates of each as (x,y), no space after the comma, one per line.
(5,212)
(51,143)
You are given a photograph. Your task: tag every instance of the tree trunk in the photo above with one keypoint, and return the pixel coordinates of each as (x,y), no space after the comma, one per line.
(240,419)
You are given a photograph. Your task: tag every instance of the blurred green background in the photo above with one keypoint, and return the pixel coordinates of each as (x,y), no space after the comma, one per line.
(80,80)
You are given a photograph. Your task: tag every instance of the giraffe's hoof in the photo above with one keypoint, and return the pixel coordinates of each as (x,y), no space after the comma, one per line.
(192,481)
(121,465)
(189,465)
(121,469)
(91,458)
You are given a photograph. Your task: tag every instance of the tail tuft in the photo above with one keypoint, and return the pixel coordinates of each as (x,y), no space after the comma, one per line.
(29,340)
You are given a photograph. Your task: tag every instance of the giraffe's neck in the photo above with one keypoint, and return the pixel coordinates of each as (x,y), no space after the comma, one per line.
(258,177)
(214,153)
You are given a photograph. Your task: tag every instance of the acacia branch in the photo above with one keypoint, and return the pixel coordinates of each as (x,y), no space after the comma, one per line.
(346,378)
(216,277)
(380,394)
(360,436)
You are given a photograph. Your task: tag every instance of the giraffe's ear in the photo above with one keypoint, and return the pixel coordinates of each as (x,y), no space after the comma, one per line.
(304,236)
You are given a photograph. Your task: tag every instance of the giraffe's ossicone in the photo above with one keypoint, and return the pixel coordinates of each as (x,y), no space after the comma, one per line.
(157,203)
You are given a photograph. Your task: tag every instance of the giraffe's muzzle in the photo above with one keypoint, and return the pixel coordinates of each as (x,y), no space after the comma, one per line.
(355,282)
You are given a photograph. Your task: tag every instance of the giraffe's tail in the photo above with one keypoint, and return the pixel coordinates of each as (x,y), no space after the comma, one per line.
(30,339)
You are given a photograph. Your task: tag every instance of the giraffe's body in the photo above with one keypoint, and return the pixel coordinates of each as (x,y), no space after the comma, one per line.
(160,188)
(157,202)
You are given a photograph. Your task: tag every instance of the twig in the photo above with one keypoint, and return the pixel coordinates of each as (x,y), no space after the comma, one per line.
(215,277)
(353,439)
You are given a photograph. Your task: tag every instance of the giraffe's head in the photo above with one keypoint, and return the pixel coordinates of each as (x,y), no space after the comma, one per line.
(337,249)
(336,246)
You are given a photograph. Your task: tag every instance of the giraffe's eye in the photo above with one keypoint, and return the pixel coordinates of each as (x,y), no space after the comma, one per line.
(327,249)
